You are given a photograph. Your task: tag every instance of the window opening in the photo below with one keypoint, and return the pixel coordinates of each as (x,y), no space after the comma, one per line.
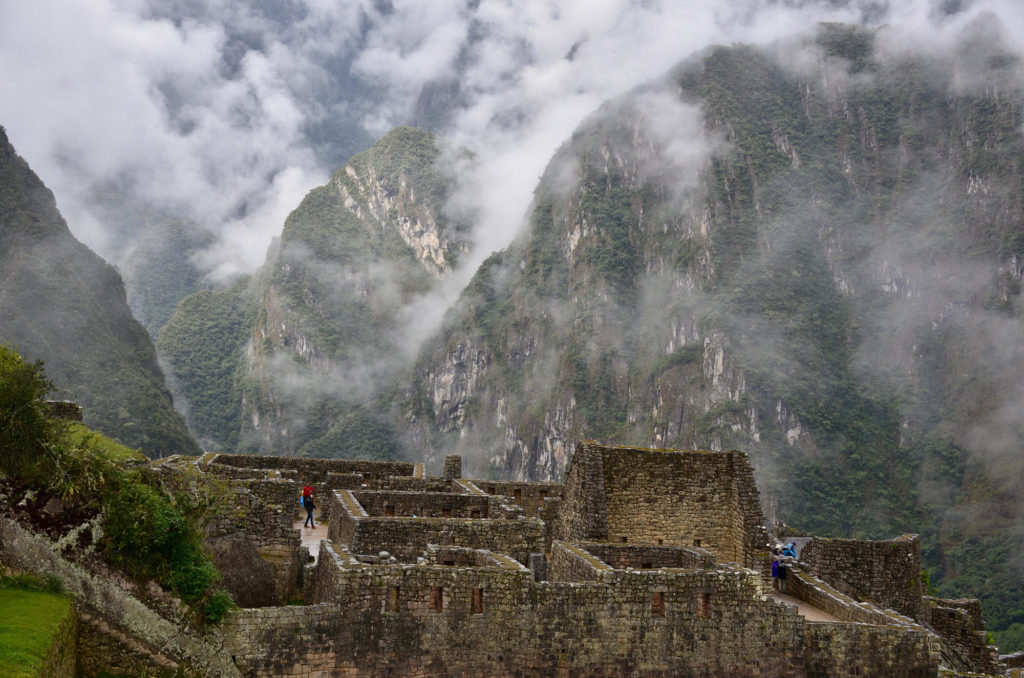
(658,603)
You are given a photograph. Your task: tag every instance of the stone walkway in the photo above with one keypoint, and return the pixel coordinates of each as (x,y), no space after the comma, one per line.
(807,610)
(311,537)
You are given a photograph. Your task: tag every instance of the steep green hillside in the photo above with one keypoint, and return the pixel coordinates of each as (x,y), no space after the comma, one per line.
(204,342)
(299,368)
(62,304)
(809,252)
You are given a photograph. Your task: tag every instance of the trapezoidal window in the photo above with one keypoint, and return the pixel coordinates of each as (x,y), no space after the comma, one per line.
(477,604)
(437,599)
(389,510)
(395,598)
(704,605)
(517,496)
(446,513)
(658,604)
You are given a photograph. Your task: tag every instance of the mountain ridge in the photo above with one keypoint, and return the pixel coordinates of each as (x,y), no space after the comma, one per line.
(63,304)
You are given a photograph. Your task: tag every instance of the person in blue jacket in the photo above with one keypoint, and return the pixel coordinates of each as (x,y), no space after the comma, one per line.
(307,503)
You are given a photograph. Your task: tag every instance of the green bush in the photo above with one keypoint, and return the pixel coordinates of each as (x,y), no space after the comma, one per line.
(26,433)
(147,534)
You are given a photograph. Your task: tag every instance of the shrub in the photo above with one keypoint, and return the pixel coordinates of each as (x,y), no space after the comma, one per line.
(26,433)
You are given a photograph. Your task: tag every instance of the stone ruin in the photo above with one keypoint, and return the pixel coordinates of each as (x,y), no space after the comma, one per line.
(643,563)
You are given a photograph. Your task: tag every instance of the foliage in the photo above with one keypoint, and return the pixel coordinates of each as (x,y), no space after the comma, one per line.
(26,433)
(146,533)
(149,535)
(359,435)
(202,344)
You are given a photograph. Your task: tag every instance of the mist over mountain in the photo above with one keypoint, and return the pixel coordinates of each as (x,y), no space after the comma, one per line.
(810,251)
(296,359)
(145,116)
(802,242)
(62,304)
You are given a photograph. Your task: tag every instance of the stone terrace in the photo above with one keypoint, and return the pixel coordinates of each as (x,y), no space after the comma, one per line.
(644,563)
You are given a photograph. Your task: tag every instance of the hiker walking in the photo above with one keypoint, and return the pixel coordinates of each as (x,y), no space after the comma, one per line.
(307,503)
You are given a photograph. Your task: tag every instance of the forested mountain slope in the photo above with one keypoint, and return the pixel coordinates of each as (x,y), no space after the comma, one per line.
(62,304)
(810,252)
(294,362)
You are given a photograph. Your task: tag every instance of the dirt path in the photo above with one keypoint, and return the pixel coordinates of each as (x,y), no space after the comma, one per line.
(808,611)
(311,536)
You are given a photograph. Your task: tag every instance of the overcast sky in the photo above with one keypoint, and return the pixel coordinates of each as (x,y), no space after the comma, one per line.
(219,109)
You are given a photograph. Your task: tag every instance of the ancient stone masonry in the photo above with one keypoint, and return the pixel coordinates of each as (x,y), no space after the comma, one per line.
(644,563)
(960,624)
(885,572)
(665,497)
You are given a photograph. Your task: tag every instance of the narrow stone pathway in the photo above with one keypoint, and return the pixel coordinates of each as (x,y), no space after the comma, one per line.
(311,536)
(808,611)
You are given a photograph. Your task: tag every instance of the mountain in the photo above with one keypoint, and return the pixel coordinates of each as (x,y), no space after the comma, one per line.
(62,304)
(306,347)
(811,252)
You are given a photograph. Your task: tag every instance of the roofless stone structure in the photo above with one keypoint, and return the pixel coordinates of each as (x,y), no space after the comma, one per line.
(643,563)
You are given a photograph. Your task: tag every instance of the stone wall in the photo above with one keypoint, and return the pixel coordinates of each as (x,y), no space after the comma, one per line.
(112,599)
(317,469)
(665,497)
(530,496)
(105,651)
(840,650)
(808,588)
(424,504)
(622,556)
(59,662)
(887,573)
(582,513)
(459,556)
(64,409)
(960,625)
(426,621)
(407,538)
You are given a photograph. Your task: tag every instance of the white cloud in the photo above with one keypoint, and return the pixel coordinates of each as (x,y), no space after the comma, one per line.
(207,107)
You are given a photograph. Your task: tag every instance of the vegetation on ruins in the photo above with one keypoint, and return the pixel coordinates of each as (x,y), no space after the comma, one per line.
(147,533)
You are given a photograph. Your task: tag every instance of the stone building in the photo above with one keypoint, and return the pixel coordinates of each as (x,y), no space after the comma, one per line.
(643,563)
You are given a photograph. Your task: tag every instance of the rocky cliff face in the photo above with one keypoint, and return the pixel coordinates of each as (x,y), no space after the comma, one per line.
(812,257)
(338,296)
(62,304)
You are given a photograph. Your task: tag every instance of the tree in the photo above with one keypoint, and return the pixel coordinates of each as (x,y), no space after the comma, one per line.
(26,432)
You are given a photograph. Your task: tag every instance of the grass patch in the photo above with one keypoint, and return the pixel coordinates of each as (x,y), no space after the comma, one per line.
(80,435)
(29,623)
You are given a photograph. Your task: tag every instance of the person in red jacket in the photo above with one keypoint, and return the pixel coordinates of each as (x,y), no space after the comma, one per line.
(307,503)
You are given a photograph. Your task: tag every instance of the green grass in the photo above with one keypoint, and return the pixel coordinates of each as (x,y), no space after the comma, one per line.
(29,623)
(80,435)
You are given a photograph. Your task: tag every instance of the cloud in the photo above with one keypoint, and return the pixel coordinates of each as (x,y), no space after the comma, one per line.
(217,111)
